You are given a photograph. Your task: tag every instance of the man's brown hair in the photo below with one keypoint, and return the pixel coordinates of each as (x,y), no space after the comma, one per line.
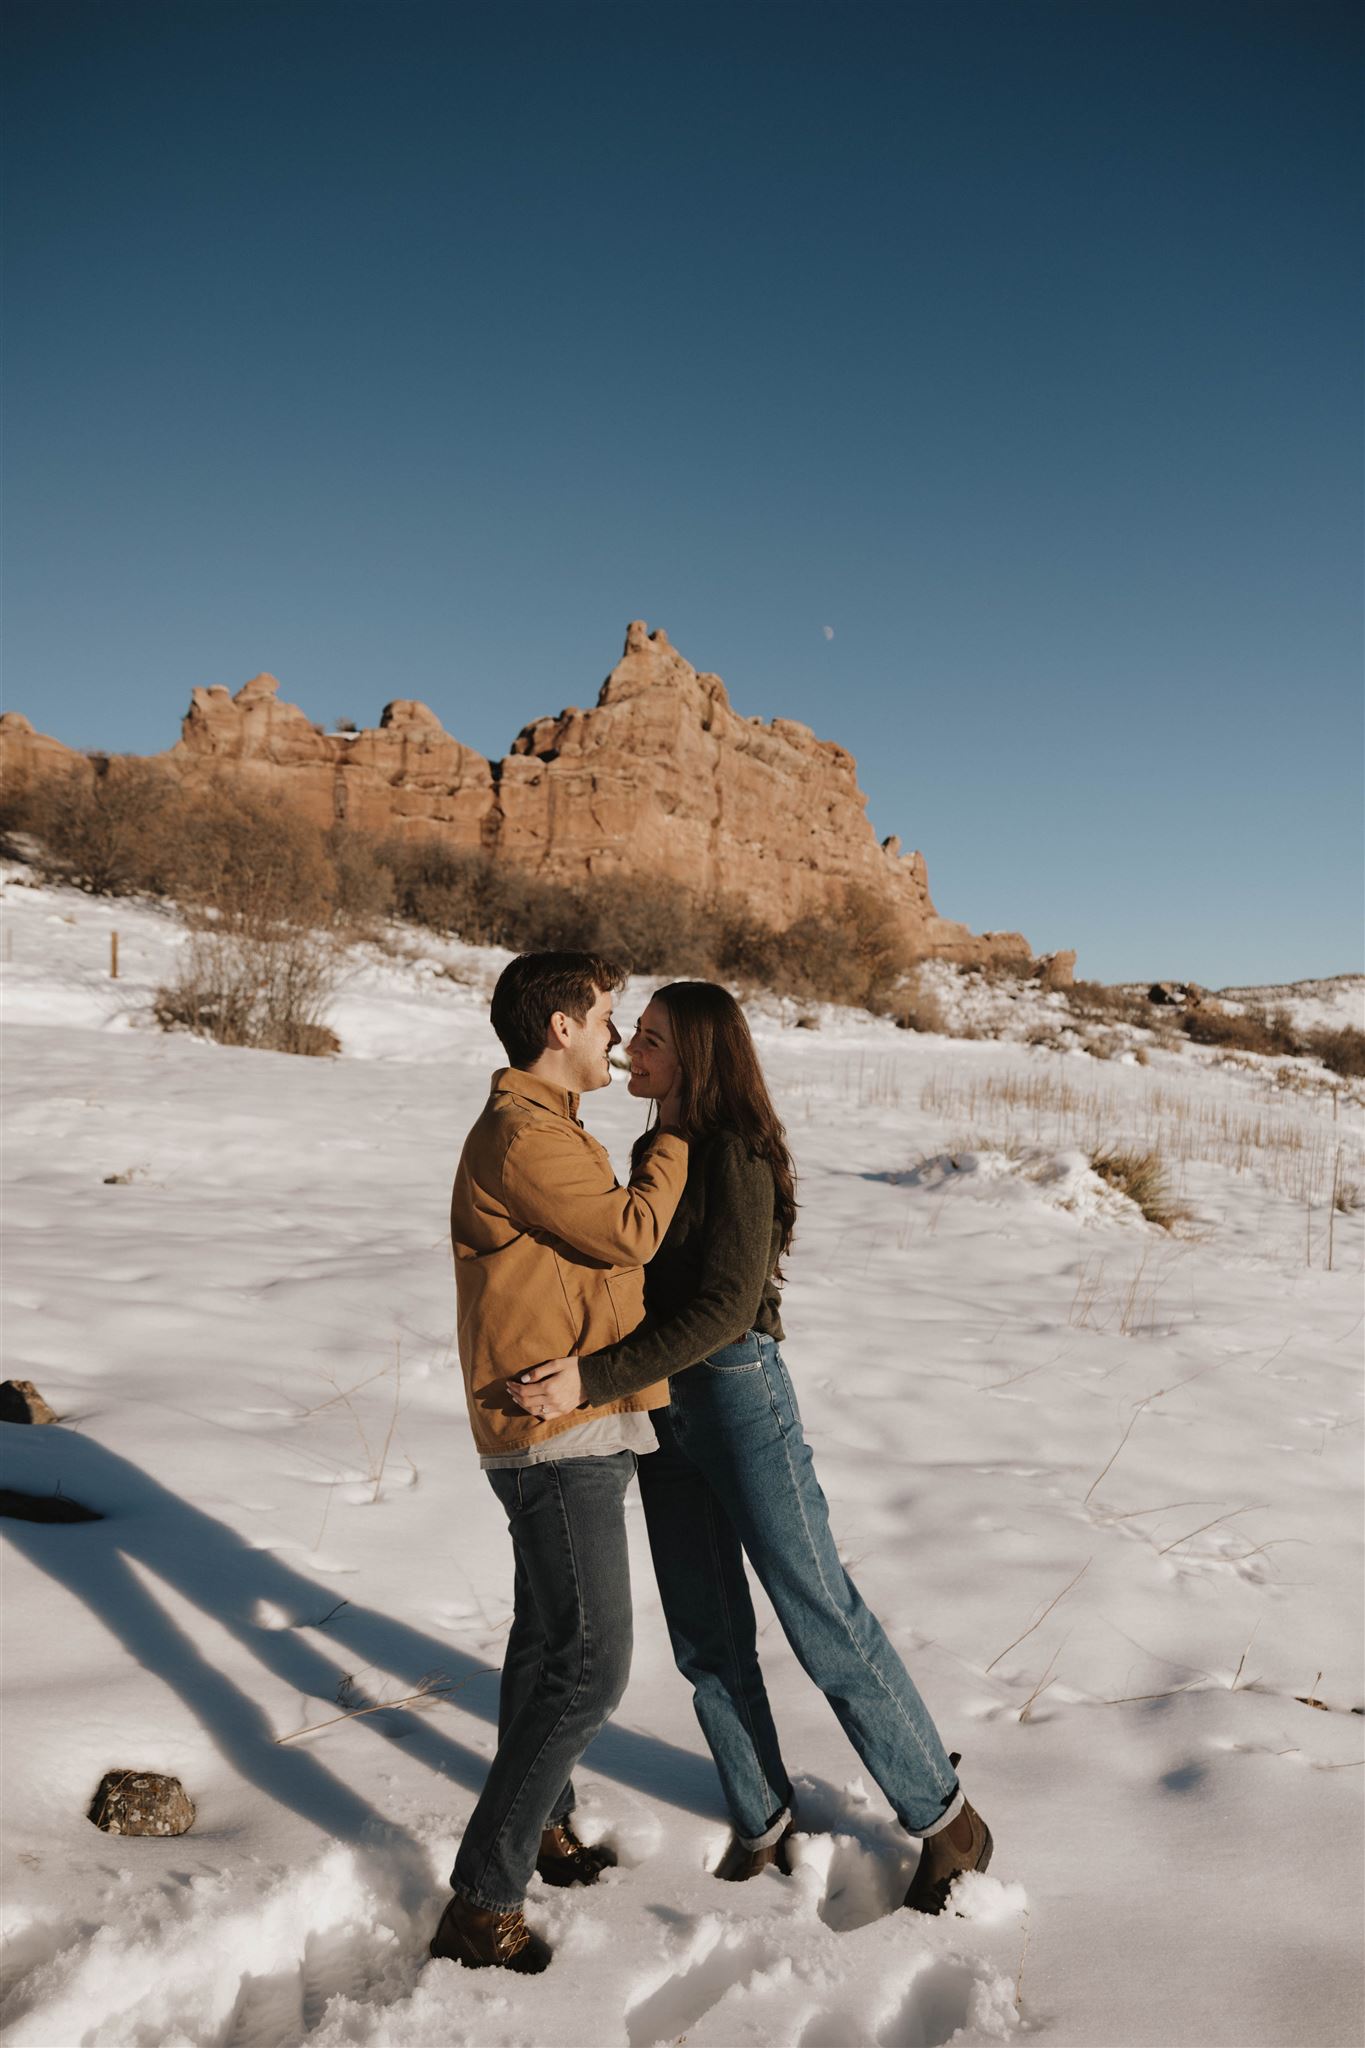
(534,985)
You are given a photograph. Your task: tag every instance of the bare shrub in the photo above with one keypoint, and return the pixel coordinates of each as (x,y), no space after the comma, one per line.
(1341,1051)
(914,1007)
(1006,968)
(1096,1002)
(651,923)
(253,861)
(260,964)
(362,885)
(854,953)
(1249,1030)
(745,949)
(1142,1176)
(260,984)
(108,825)
(440,886)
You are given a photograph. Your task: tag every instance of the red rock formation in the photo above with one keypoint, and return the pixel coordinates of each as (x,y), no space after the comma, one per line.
(26,755)
(663,774)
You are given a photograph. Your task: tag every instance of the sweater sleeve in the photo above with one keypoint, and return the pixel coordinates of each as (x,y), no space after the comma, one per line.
(737,1242)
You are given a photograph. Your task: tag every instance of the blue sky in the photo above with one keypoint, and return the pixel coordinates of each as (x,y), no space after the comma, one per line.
(411,350)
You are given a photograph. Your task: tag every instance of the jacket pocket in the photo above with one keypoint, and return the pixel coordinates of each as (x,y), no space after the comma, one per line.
(573,1310)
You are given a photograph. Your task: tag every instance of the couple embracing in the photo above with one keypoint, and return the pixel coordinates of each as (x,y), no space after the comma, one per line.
(608,1330)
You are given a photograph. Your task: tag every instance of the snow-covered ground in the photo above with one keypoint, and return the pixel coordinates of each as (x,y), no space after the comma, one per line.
(1101,1482)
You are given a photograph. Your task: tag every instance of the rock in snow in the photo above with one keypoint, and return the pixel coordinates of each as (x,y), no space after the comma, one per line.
(20,1401)
(141,1803)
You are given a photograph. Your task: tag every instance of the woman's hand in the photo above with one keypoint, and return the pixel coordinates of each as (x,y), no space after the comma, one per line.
(549,1390)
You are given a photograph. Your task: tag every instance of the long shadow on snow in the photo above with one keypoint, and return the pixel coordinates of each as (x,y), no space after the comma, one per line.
(207,1563)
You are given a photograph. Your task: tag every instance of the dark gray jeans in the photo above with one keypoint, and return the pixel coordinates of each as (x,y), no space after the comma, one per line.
(567,1662)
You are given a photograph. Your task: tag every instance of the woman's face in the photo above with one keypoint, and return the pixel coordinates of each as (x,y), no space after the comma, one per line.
(654,1070)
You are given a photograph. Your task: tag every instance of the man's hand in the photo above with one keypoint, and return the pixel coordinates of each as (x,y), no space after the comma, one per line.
(549,1390)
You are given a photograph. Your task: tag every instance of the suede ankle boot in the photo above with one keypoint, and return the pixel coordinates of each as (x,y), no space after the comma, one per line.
(965,1844)
(563,1859)
(739,1863)
(482,1940)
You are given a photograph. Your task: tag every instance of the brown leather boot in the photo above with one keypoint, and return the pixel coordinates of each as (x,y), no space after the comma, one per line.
(482,1940)
(965,1844)
(739,1863)
(563,1859)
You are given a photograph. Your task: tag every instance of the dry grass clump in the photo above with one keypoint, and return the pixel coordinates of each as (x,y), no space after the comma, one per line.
(915,1007)
(1287,1144)
(1142,1176)
(1105,1045)
(1049,1037)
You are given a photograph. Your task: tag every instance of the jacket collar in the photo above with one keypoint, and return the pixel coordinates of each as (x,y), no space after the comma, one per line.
(530,1088)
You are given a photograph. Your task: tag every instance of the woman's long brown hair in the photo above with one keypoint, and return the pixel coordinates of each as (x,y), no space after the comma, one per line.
(723,1086)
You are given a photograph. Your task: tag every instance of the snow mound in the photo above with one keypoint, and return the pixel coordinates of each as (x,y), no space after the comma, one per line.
(206,1961)
(1031,1178)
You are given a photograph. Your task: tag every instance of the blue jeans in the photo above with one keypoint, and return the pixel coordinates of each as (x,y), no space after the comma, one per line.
(567,1661)
(733,1477)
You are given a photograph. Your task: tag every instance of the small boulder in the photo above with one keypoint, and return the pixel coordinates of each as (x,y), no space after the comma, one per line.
(141,1803)
(1177,995)
(20,1401)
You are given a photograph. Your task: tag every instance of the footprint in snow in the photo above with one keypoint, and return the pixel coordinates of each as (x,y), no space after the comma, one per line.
(936,2003)
(854,1883)
(944,1995)
(720,1962)
(288,2004)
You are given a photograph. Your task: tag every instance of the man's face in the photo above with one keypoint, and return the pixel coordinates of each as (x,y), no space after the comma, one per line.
(590,1043)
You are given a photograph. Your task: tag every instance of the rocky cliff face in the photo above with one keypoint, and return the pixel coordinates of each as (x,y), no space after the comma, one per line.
(661,775)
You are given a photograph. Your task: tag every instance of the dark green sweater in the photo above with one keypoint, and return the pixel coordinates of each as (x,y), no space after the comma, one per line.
(711,1278)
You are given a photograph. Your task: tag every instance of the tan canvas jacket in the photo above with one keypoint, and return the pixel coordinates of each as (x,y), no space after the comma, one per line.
(548,1250)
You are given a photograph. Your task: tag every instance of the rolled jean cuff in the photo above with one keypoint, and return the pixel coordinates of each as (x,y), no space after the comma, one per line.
(766,1840)
(946,1818)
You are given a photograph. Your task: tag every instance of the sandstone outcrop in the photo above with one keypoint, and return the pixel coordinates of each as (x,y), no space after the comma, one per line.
(662,775)
(26,754)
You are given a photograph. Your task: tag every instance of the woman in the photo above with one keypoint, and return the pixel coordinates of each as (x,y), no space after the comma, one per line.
(733,1476)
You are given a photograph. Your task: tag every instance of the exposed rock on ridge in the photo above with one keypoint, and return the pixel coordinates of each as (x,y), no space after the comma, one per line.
(663,776)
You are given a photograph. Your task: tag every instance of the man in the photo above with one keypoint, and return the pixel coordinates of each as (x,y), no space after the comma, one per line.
(548,1252)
